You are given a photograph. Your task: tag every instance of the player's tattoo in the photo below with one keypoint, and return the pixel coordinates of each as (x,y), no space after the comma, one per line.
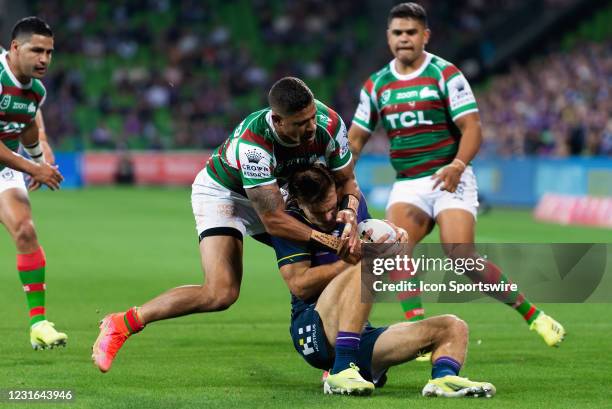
(266,199)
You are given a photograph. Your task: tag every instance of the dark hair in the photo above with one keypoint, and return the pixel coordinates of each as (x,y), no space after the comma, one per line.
(310,185)
(408,10)
(289,95)
(30,26)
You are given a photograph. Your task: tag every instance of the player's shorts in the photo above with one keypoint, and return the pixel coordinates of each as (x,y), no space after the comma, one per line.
(219,211)
(311,343)
(419,192)
(11,179)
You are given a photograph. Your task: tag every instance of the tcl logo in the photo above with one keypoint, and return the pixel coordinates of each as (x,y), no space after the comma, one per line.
(407,119)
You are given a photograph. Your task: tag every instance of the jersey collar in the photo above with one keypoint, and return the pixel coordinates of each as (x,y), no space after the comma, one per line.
(275,135)
(14,79)
(412,75)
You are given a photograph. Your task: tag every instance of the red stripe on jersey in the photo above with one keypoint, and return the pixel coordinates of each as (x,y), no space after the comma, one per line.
(251,136)
(32,261)
(211,166)
(368,86)
(228,172)
(29,288)
(20,118)
(333,122)
(418,81)
(9,136)
(402,153)
(415,170)
(18,92)
(412,106)
(37,311)
(417,130)
(449,71)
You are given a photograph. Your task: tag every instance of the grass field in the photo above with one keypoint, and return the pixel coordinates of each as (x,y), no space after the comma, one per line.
(109,249)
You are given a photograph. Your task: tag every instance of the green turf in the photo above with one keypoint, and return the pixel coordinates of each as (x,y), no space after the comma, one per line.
(109,249)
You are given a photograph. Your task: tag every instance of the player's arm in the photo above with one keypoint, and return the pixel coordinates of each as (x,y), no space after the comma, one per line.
(305,281)
(270,207)
(358,137)
(40,172)
(42,138)
(349,202)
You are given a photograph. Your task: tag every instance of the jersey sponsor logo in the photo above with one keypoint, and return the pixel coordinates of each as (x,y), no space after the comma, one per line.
(31,108)
(238,130)
(385,96)
(407,119)
(254,156)
(7,174)
(6,102)
(324,119)
(407,95)
(363,109)
(428,93)
(254,162)
(343,141)
(460,93)
(306,341)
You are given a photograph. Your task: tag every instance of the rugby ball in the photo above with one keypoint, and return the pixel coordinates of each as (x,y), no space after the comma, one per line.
(378,228)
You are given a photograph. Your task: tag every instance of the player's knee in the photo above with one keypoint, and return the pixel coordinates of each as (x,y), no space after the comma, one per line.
(455,326)
(25,234)
(218,299)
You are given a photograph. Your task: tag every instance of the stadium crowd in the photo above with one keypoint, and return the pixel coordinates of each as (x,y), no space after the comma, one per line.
(180,74)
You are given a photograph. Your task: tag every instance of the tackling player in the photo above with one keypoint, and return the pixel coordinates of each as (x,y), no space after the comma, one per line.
(429,113)
(21,95)
(329,324)
(238,193)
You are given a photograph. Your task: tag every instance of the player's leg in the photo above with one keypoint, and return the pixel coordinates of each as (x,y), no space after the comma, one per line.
(343,316)
(418,224)
(456,217)
(446,337)
(16,215)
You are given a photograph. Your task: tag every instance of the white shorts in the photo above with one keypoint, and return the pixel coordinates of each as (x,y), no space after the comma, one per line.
(11,179)
(419,192)
(216,207)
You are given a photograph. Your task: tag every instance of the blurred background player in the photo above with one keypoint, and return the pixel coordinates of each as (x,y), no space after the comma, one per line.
(238,194)
(430,115)
(329,323)
(21,95)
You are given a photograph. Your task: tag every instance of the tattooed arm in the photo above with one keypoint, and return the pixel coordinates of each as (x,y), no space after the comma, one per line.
(270,206)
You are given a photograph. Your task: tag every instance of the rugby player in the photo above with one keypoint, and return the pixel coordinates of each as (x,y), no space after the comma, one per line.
(329,324)
(21,95)
(238,193)
(430,115)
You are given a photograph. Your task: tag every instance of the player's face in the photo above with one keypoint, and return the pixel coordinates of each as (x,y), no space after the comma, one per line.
(407,38)
(323,214)
(33,55)
(299,127)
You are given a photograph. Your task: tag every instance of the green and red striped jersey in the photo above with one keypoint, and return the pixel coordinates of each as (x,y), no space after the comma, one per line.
(18,104)
(418,112)
(254,155)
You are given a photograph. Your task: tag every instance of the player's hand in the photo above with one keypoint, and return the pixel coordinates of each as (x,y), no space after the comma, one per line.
(448,177)
(46,174)
(351,256)
(48,154)
(401,235)
(349,234)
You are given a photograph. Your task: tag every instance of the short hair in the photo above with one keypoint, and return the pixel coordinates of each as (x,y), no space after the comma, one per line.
(408,10)
(310,185)
(289,95)
(29,26)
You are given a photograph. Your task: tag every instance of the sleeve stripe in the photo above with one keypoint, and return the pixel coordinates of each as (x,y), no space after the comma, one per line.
(269,182)
(460,114)
(348,162)
(365,128)
(280,260)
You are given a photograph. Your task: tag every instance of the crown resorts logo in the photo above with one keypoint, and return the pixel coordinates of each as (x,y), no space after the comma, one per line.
(253,156)
(6,101)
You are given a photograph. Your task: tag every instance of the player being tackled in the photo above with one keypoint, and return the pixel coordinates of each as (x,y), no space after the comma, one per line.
(329,318)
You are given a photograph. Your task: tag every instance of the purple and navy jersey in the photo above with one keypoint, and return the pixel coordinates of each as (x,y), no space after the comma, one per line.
(289,252)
